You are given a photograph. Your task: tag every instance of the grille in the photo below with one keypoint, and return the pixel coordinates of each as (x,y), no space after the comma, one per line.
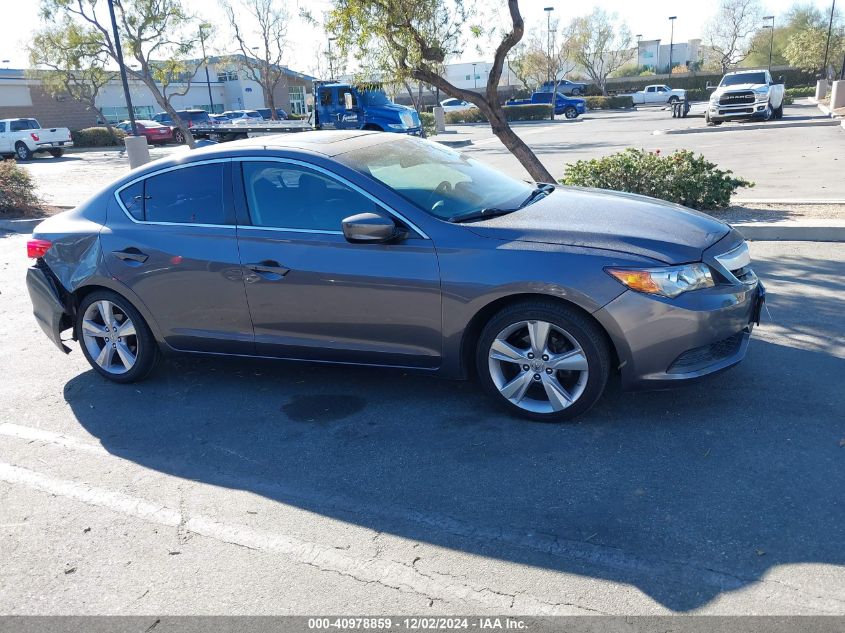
(737,98)
(700,357)
(745,274)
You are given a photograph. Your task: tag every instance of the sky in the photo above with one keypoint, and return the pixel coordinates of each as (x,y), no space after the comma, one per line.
(646,17)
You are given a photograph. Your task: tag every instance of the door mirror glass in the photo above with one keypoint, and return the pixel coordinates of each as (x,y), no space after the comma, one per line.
(369,227)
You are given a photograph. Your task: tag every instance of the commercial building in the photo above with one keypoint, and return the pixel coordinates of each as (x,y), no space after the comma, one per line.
(228,87)
(654,54)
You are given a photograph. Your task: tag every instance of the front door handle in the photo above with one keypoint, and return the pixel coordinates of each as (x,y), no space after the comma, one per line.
(269,269)
(131,254)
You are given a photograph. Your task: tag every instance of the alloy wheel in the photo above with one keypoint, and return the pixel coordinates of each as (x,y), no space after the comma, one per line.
(110,337)
(538,366)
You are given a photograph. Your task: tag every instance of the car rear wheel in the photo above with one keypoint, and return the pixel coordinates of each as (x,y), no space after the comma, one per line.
(178,136)
(673,100)
(778,112)
(576,92)
(115,338)
(570,113)
(543,361)
(22,152)
(57,153)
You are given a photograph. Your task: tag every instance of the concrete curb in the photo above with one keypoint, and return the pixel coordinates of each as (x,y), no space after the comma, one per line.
(793,230)
(24,225)
(791,201)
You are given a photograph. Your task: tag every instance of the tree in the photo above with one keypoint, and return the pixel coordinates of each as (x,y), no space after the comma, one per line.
(420,34)
(69,61)
(729,32)
(807,40)
(262,63)
(157,34)
(600,44)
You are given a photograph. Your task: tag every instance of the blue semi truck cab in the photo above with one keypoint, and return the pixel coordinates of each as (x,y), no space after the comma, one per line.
(341,106)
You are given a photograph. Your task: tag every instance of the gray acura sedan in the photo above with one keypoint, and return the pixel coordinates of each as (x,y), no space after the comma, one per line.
(376,249)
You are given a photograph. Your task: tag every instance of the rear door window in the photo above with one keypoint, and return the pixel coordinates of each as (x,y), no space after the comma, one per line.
(191,195)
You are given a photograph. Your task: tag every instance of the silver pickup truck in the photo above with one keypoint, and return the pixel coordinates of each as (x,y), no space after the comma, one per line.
(746,94)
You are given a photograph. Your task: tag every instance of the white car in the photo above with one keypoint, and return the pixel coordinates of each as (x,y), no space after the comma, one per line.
(24,137)
(456,105)
(250,116)
(746,94)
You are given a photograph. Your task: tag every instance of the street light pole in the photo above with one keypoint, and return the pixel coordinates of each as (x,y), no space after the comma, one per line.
(331,66)
(205,61)
(829,31)
(122,67)
(671,40)
(548,11)
(771,37)
(474,78)
(639,36)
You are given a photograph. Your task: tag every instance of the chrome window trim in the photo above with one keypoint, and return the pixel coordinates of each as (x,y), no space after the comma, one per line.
(330,174)
(164,171)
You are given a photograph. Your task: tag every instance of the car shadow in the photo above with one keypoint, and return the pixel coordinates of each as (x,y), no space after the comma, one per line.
(684,494)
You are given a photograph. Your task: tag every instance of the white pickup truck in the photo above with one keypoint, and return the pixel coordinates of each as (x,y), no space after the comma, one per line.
(746,94)
(658,94)
(22,138)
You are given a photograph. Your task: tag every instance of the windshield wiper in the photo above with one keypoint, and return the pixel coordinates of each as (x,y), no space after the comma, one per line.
(481,214)
(541,190)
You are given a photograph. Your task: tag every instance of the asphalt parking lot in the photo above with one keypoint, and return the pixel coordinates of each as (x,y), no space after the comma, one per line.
(811,169)
(223,486)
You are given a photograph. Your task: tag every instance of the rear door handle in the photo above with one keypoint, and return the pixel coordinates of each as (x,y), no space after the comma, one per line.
(268,269)
(131,254)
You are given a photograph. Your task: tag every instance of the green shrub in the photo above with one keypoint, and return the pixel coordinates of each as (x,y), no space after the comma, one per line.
(681,177)
(97,137)
(609,103)
(427,120)
(527,112)
(17,191)
(801,91)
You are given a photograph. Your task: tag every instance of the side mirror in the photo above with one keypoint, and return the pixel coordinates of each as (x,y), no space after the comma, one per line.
(370,228)
(347,100)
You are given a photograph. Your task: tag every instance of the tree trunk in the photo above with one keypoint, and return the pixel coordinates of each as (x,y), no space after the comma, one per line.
(164,102)
(516,146)
(106,123)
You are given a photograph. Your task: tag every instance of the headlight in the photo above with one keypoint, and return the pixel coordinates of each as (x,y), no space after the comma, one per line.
(670,281)
(761,90)
(396,126)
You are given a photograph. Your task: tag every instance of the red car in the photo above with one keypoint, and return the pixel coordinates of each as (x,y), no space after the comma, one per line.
(153,130)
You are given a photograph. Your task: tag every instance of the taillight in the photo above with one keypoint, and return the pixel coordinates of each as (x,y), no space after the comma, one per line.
(37,248)
(34,136)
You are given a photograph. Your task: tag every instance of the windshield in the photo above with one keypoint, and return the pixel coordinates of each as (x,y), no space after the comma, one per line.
(743,78)
(375,98)
(438,180)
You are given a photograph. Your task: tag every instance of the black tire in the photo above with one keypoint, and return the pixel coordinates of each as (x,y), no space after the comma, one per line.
(576,92)
(146,350)
(57,153)
(570,112)
(22,152)
(584,330)
(673,100)
(778,112)
(178,137)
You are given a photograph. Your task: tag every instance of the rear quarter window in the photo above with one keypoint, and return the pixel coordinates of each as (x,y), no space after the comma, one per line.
(133,200)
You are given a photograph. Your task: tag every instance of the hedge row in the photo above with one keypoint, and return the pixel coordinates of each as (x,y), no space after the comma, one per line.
(609,103)
(97,137)
(791,76)
(528,112)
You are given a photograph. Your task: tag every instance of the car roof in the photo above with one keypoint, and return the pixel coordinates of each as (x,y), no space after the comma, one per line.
(746,70)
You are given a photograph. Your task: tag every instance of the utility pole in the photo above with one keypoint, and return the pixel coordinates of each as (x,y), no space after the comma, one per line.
(474,77)
(829,31)
(548,11)
(771,37)
(672,19)
(639,36)
(122,67)
(331,66)
(203,27)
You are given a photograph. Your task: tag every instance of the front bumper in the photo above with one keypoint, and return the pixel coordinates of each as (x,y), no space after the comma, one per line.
(663,342)
(754,110)
(47,306)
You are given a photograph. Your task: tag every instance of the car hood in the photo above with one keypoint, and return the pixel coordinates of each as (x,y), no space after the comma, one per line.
(609,220)
(392,111)
(735,87)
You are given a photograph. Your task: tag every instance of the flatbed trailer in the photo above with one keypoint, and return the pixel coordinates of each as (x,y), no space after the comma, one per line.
(223,133)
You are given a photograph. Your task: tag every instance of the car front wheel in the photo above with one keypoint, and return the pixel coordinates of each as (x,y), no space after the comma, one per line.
(543,361)
(115,338)
(570,113)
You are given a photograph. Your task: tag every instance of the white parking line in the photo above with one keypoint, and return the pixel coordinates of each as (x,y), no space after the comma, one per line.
(39,435)
(391,574)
